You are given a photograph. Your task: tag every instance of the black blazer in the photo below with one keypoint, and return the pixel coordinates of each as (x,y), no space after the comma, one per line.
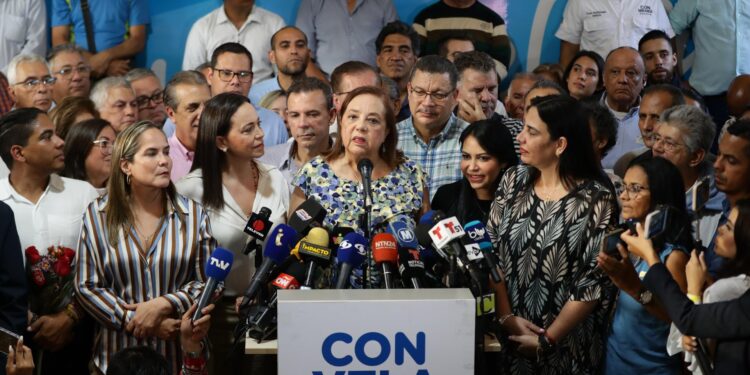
(13,288)
(727,322)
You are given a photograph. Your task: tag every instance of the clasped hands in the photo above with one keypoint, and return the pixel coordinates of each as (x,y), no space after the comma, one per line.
(152,319)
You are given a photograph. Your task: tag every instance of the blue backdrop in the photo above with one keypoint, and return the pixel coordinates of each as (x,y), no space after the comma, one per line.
(531,26)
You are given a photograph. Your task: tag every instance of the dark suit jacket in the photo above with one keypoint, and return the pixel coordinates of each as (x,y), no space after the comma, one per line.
(727,322)
(13,288)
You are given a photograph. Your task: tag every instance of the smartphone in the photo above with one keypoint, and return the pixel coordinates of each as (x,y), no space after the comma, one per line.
(701,192)
(7,338)
(656,222)
(610,241)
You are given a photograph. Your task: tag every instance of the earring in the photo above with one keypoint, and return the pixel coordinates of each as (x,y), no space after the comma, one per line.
(223,149)
(127,179)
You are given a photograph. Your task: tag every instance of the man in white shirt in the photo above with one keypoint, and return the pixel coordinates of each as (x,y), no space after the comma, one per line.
(603,25)
(48,208)
(24,29)
(236,21)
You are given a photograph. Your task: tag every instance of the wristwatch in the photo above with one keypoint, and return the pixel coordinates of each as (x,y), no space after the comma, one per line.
(645,296)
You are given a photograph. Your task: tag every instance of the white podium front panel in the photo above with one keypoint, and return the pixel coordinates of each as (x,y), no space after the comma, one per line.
(376,332)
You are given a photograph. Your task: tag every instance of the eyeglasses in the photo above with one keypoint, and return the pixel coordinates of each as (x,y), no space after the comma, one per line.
(633,190)
(669,145)
(105,145)
(143,100)
(436,96)
(226,75)
(32,83)
(81,69)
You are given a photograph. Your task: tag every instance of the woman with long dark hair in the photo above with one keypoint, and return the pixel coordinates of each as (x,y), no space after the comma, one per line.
(88,153)
(583,76)
(549,216)
(486,152)
(232,184)
(638,337)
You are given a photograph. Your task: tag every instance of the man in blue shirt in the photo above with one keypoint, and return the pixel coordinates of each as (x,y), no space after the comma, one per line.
(111,53)
(232,71)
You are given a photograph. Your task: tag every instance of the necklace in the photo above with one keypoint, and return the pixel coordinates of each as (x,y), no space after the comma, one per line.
(146,239)
(547,194)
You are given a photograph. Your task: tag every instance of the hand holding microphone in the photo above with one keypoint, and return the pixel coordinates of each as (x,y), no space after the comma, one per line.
(217,268)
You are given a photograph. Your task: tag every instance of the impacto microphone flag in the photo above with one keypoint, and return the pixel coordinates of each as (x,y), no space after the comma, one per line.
(277,248)
(217,268)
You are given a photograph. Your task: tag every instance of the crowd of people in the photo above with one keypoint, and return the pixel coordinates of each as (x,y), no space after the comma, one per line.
(117,189)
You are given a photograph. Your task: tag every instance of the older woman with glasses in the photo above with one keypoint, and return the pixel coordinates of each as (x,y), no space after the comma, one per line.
(88,153)
(683,136)
(638,337)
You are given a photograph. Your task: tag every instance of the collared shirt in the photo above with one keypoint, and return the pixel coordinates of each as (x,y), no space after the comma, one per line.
(228,223)
(260,89)
(603,25)
(55,219)
(628,133)
(108,277)
(720,30)
(273,127)
(109,19)
(336,36)
(182,158)
(23,26)
(440,158)
(215,29)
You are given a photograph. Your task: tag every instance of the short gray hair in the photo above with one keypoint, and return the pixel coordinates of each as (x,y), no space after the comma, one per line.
(185,77)
(24,57)
(100,92)
(139,73)
(68,47)
(697,128)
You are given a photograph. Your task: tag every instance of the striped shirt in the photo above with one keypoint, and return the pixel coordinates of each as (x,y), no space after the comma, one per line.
(110,276)
(441,157)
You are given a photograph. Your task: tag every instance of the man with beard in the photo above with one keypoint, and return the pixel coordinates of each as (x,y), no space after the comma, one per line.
(73,74)
(289,53)
(659,59)
(624,80)
(397,47)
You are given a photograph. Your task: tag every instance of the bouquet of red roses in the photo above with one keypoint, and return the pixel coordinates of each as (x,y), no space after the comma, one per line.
(51,279)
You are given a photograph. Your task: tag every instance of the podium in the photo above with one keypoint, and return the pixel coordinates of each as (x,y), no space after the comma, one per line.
(399,331)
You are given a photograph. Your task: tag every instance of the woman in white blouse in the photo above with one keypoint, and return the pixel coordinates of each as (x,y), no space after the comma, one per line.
(232,185)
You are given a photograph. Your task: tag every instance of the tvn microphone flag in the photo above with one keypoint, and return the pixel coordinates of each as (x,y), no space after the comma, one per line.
(217,268)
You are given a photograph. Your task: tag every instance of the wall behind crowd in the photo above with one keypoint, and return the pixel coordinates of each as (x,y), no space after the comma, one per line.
(532,24)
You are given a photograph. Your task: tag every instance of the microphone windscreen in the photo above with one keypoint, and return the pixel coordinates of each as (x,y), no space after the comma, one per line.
(427,217)
(384,248)
(404,234)
(309,212)
(318,236)
(477,232)
(279,243)
(352,250)
(219,264)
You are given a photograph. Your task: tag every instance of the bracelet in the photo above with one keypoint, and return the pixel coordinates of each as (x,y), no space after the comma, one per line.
(504,318)
(71,312)
(695,298)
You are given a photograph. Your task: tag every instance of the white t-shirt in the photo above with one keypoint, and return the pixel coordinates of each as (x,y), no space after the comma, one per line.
(228,224)
(215,29)
(603,25)
(56,218)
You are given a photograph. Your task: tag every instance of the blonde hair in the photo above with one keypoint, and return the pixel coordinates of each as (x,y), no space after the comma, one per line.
(118,210)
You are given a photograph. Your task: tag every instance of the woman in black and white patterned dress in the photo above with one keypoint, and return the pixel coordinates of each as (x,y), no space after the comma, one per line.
(546,224)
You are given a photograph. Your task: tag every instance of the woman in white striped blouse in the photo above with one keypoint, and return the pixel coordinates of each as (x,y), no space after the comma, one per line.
(142,251)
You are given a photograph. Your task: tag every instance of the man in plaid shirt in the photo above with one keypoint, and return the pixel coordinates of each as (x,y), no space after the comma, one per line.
(430,136)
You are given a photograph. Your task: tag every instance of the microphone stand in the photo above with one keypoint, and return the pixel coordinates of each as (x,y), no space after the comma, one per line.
(365,225)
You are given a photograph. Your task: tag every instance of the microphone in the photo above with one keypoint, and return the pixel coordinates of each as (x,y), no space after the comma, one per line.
(351,254)
(446,234)
(365,170)
(257,227)
(313,249)
(478,234)
(262,319)
(217,268)
(338,234)
(385,253)
(410,265)
(308,215)
(277,248)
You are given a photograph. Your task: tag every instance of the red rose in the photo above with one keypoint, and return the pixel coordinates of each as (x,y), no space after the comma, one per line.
(32,255)
(62,268)
(69,253)
(38,276)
